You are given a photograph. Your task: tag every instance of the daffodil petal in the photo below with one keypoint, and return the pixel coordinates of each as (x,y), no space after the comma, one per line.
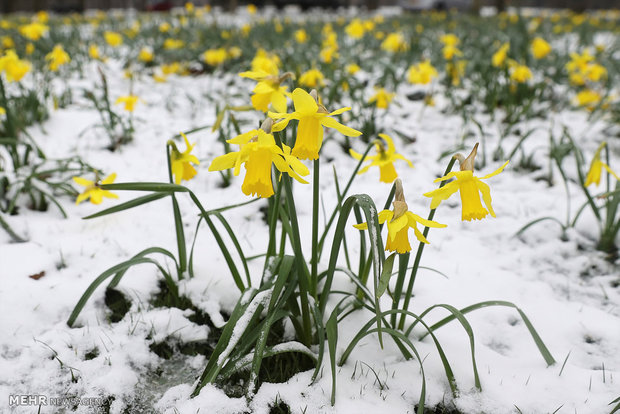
(343,129)
(427,223)
(494,173)
(442,193)
(224,162)
(304,102)
(485,190)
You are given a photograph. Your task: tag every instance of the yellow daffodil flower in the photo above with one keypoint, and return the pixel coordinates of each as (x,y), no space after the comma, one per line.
(234,52)
(113,39)
(352,68)
(328,54)
(2,111)
(265,62)
(215,57)
(181,162)
(312,117)
(129,101)
(172,44)
(540,48)
(596,166)
(588,99)
(394,42)
(470,188)
(7,42)
(384,159)
(268,90)
(382,98)
(499,57)
(33,31)
(421,73)
(93,190)
(312,78)
(456,70)
(449,39)
(57,57)
(251,8)
(93,52)
(169,69)
(595,72)
(13,67)
(520,73)
(258,152)
(301,36)
(355,29)
(165,27)
(145,55)
(449,52)
(399,220)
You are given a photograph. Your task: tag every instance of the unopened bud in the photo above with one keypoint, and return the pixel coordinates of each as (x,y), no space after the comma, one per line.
(266,125)
(467,163)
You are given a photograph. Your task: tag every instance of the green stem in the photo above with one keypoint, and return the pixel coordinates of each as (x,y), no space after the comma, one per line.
(418,256)
(315,230)
(178,221)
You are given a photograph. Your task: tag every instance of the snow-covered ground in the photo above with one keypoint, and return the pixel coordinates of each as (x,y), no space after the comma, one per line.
(566,287)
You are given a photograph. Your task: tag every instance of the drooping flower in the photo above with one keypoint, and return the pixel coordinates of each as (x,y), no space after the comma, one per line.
(265,62)
(355,29)
(450,49)
(312,117)
(181,162)
(13,67)
(93,52)
(470,188)
(258,151)
(384,159)
(352,68)
(215,57)
(596,166)
(382,98)
(520,73)
(145,55)
(540,48)
(394,42)
(268,90)
(301,36)
(172,44)
(421,73)
(456,70)
(129,101)
(499,57)
(33,31)
(113,39)
(312,78)
(57,57)
(399,220)
(93,190)
(588,98)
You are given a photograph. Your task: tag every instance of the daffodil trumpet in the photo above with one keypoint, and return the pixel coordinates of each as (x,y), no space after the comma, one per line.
(258,151)
(470,188)
(312,117)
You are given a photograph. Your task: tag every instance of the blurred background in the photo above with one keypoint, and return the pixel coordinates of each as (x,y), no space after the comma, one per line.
(66,6)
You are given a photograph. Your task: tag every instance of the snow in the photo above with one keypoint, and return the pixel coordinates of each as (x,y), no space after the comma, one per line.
(566,288)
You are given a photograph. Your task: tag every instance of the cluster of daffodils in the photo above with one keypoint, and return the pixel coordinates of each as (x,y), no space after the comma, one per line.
(13,67)
(585,72)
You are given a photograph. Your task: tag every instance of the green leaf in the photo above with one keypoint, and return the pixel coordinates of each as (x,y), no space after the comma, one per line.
(542,348)
(129,204)
(386,274)
(153,187)
(112,271)
(332,341)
